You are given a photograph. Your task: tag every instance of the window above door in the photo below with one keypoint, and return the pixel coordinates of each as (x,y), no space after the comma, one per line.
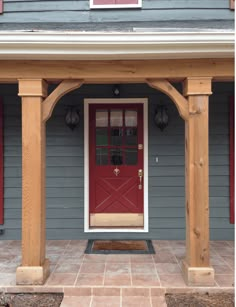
(107,4)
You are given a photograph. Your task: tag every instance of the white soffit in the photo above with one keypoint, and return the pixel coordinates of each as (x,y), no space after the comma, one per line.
(115,46)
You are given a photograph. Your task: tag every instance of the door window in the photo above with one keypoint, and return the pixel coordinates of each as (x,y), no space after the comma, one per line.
(116,136)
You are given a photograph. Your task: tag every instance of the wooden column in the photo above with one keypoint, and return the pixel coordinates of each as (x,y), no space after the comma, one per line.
(196,266)
(34,268)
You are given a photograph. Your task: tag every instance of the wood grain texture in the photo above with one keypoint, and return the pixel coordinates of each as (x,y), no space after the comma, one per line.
(32,88)
(116,70)
(33,181)
(197,183)
(165,86)
(63,88)
(197,86)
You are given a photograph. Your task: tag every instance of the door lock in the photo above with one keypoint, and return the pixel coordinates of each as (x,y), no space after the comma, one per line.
(140,174)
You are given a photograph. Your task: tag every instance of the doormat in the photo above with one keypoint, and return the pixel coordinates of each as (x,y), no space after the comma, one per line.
(119,247)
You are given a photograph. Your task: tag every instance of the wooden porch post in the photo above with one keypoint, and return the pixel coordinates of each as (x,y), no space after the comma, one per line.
(196,266)
(34,268)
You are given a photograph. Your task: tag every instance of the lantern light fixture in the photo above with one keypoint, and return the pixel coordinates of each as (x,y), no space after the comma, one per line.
(161,117)
(72,117)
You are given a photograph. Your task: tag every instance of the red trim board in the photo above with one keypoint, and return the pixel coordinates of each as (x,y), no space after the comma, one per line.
(1,163)
(1,6)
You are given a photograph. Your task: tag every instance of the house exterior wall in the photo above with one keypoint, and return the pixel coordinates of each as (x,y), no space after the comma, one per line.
(79,12)
(65,166)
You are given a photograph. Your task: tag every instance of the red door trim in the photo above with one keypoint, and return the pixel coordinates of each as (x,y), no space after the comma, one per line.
(231,159)
(1,164)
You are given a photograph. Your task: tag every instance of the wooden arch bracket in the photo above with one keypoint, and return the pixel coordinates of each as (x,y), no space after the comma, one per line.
(63,88)
(179,100)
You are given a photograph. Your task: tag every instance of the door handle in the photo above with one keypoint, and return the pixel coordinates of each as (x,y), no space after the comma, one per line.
(140,174)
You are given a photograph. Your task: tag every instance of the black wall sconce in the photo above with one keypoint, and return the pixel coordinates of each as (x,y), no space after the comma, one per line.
(161,117)
(116,90)
(72,117)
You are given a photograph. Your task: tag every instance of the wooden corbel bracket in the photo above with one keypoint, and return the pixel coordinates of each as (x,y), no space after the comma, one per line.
(63,88)
(180,101)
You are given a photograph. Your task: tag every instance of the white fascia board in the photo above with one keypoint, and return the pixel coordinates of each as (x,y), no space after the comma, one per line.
(115,46)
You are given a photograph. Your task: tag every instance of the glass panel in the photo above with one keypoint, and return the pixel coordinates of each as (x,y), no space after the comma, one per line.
(116,118)
(101,156)
(101,118)
(131,118)
(131,136)
(131,156)
(116,136)
(116,157)
(101,137)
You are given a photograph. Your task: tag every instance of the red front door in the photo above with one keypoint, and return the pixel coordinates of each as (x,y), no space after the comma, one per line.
(116,165)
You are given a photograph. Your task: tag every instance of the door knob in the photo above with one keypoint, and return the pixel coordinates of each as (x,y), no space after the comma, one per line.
(140,174)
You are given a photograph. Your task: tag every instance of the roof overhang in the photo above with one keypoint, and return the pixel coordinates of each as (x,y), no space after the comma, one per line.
(115,46)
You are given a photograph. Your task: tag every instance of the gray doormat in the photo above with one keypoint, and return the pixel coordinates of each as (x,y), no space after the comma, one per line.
(119,247)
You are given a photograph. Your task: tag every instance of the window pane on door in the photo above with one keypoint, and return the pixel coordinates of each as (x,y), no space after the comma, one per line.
(101,137)
(131,137)
(102,118)
(131,156)
(131,118)
(101,156)
(116,119)
(116,157)
(116,136)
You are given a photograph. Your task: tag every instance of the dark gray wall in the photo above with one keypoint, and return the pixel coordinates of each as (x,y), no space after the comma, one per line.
(78,12)
(65,183)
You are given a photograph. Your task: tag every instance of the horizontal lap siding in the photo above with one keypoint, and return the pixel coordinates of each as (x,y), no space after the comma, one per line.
(23,11)
(65,169)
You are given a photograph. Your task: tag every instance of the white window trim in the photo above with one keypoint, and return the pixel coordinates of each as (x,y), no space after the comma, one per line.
(115,6)
(143,101)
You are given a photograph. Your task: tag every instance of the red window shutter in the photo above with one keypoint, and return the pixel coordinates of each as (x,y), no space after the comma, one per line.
(231,159)
(1,162)
(1,6)
(126,1)
(231,4)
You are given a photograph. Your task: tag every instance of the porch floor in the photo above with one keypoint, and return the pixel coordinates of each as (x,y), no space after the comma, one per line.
(116,280)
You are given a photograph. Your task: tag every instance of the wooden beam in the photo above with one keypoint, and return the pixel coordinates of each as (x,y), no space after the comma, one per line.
(63,88)
(197,86)
(180,102)
(117,70)
(38,88)
(34,268)
(197,185)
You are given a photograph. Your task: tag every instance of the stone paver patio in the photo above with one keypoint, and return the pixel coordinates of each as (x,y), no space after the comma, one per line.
(116,280)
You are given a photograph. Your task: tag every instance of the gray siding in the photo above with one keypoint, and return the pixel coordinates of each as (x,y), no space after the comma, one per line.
(65,181)
(56,11)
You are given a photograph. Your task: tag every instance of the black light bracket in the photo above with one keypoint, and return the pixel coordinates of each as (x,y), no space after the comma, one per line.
(116,90)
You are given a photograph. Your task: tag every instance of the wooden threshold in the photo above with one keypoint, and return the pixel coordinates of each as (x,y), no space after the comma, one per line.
(116,220)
